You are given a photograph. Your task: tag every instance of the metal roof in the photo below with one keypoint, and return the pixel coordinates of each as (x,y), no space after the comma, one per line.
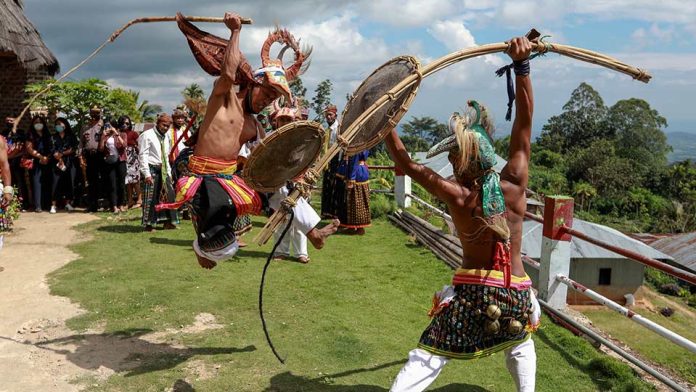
(441,165)
(680,246)
(579,249)
(531,238)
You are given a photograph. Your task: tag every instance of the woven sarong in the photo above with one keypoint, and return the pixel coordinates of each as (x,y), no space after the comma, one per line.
(478,316)
(357,206)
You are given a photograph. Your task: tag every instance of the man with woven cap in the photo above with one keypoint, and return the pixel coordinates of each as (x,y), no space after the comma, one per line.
(215,194)
(156,174)
(490,306)
(176,134)
(92,158)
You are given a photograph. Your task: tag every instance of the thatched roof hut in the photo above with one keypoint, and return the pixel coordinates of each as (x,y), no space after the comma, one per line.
(19,37)
(24,58)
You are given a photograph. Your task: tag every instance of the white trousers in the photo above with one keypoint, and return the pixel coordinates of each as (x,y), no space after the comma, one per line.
(295,238)
(423,368)
(305,216)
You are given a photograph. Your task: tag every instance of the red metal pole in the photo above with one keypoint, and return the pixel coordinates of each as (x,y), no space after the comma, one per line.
(674,271)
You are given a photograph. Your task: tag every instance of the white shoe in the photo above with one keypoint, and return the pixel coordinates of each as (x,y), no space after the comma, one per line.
(53,210)
(69,207)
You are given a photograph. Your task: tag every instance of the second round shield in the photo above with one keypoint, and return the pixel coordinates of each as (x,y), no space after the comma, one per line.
(284,155)
(373,128)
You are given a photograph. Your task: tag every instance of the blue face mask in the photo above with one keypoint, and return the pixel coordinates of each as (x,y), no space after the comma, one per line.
(60,128)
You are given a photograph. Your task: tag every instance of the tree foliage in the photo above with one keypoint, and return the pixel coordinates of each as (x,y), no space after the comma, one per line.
(321,99)
(74,99)
(613,160)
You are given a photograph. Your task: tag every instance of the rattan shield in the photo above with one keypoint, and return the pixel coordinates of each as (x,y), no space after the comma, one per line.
(374,128)
(284,155)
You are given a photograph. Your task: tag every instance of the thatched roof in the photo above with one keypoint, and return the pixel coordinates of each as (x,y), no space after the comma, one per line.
(19,36)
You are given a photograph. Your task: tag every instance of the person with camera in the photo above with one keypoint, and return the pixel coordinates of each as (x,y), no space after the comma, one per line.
(89,142)
(113,148)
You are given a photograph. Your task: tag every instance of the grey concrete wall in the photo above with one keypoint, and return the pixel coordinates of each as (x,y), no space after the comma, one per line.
(626,278)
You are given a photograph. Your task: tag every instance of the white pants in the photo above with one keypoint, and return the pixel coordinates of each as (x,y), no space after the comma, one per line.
(423,368)
(293,237)
(305,216)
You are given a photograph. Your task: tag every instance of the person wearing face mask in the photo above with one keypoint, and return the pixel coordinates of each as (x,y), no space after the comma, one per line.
(89,141)
(156,174)
(39,149)
(132,165)
(64,146)
(16,147)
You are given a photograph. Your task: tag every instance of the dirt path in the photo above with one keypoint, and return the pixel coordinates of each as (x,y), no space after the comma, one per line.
(37,351)
(28,313)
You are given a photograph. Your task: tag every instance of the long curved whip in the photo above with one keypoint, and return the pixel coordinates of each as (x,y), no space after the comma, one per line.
(443,62)
(111,39)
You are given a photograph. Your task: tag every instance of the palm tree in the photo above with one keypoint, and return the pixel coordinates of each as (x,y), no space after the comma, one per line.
(584,192)
(149,111)
(193,91)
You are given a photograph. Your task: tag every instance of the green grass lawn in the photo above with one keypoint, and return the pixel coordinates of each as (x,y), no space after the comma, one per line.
(649,344)
(344,322)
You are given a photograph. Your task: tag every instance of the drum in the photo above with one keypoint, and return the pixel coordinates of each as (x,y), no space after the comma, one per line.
(374,128)
(283,155)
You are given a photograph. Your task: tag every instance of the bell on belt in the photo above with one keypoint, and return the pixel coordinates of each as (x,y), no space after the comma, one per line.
(491,327)
(493,312)
(515,327)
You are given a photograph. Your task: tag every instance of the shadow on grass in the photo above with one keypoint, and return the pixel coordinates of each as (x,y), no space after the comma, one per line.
(169,241)
(182,386)
(121,229)
(289,382)
(564,352)
(127,351)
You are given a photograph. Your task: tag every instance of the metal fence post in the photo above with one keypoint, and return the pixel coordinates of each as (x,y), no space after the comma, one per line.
(555,250)
(402,189)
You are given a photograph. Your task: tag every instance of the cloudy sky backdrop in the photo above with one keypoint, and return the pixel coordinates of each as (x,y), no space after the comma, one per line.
(352,38)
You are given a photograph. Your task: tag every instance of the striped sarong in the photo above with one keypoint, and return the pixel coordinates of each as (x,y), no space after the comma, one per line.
(245,199)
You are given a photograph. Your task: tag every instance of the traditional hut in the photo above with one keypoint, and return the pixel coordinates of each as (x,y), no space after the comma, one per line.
(24,58)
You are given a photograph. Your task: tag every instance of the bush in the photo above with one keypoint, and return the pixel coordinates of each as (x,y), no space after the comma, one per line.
(381,205)
(657,278)
(670,289)
(691,300)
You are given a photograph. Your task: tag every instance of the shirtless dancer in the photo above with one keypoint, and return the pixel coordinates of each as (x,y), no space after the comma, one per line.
(490,306)
(216,195)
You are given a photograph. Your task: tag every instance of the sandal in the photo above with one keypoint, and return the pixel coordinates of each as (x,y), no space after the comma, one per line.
(303,259)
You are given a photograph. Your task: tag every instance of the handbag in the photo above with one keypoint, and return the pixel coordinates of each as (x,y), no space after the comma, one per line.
(26,163)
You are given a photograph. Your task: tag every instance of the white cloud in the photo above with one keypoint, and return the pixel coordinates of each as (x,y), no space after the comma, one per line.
(453,34)
(407,12)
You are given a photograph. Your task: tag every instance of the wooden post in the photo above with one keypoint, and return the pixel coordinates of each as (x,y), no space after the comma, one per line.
(402,188)
(555,250)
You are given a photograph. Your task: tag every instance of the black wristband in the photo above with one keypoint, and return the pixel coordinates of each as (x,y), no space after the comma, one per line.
(521,67)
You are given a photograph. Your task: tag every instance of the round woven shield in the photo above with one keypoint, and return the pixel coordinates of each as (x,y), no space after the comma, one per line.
(284,155)
(372,130)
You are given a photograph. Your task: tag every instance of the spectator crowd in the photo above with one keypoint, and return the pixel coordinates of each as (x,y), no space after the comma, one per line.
(99,167)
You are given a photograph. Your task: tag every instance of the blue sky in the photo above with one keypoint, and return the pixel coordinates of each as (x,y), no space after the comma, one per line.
(351,39)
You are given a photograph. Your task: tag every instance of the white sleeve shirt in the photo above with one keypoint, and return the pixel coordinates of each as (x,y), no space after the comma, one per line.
(149,144)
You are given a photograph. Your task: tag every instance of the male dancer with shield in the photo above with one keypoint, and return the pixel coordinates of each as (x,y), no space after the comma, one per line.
(217,196)
(490,306)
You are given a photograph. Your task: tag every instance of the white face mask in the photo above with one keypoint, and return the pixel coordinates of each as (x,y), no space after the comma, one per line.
(38,126)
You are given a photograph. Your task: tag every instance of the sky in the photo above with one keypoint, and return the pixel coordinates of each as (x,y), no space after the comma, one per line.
(352,38)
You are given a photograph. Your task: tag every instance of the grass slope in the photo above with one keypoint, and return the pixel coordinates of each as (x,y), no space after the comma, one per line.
(344,322)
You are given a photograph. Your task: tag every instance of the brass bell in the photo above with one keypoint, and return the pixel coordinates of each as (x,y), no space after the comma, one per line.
(491,327)
(477,312)
(493,312)
(515,327)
